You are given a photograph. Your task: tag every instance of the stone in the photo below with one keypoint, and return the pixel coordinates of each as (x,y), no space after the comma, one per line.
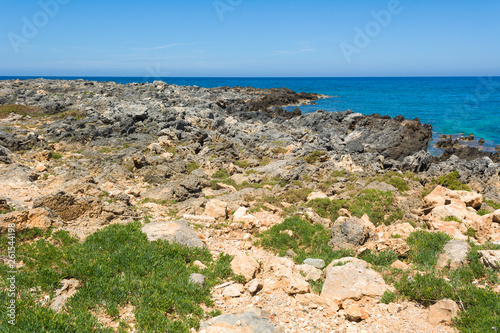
(4,205)
(41,218)
(251,321)
(254,286)
(245,266)
(496,216)
(316,195)
(443,312)
(311,272)
(174,232)
(490,258)
(318,263)
(42,155)
(356,313)
(296,284)
(231,291)
(353,280)
(471,199)
(68,289)
(314,301)
(40,167)
(454,255)
(398,264)
(241,216)
(349,233)
(67,206)
(216,208)
(198,279)
(199,264)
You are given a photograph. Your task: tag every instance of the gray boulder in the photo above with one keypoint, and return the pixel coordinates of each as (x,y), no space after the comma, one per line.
(252,321)
(349,233)
(454,255)
(174,232)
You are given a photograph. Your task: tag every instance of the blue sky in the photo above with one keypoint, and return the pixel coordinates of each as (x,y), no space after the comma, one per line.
(250,38)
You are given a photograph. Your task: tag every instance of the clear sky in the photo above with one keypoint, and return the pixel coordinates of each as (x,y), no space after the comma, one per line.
(250,37)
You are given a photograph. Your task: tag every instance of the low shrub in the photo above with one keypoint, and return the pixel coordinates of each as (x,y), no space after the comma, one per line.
(426,246)
(452,182)
(314,156)
(307,241)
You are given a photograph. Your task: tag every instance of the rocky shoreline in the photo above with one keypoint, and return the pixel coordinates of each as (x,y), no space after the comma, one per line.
(79,156)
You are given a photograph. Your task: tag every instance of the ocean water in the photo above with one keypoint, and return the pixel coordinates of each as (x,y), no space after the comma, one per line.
(452,105)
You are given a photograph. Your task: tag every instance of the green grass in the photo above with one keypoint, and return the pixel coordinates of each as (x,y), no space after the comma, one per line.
(242,164)
(117,266)
(389,297)
(308,241)
(452,182)
(295,196)
(395,179)
(493,204)
(452,219)
(426,246)
(382,259)
(220,174)
(378,205)
(482,212)
(480,306)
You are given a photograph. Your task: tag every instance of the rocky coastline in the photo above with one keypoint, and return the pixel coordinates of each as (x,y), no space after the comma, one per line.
(223,168)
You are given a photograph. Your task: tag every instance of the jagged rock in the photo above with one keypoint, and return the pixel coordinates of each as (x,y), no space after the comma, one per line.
(254,286)
(311,272)
(68,289)
(454,255)
(4,205)
(490,258)
(67,206)
(245,266)
(174,232)
(231,291)
(252,321)
(352,280)
(41,218)
(356,313)
(443,312)
(216,208)
(350,233)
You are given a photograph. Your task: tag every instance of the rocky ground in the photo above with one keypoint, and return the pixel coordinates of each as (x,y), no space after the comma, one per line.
(218,168)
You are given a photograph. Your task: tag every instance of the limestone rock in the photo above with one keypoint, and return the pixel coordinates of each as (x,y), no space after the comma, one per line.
(254,286)
(198,279)
(356,313)
(41,218)
(252,321)
(245,266)
(349,233)
(454,255)
(68,288)
(174,232)
(311,272)
(443,312)
(352,280)
(216,208)
(231,291)
(490,258)
(316,195)
(67,206)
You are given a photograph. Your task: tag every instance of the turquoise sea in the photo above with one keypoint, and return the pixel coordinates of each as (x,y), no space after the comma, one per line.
(452,105)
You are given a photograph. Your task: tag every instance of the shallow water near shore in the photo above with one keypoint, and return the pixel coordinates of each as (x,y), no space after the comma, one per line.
(452,105)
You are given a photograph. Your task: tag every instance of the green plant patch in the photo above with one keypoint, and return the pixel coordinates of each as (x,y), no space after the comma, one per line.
(378,205)
(116,266)
(191,166)
(389,297)
(314,156)
(307,241)
(220,174)
(452,219)
(493,204)
(295,196)
(327,208)
(452,182)
(426,246)
(23,110)
(382,259)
